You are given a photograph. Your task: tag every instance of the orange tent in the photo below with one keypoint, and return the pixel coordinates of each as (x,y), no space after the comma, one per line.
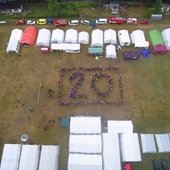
(29,36)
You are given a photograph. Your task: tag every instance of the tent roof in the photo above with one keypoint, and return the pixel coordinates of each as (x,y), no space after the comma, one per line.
(97,38)
(49,157)
(163,142)
(123,36)
(130,147)
(29,157)
(110,36)
(29,35)
(71,36)
(111,151)
(155,37)
(120,126)
(85,125)
(85,144)
(13,45)
(10,157)
(16,34)
(148,143)
(84,162)
(159,48)
(83,37)
(57,36)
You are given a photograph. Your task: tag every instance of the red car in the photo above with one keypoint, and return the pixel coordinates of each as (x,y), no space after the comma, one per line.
(117,20)
(144,21)
(20,22)
(127,166)
(60,22)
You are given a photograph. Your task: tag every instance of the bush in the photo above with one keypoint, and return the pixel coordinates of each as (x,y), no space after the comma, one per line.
(149,12)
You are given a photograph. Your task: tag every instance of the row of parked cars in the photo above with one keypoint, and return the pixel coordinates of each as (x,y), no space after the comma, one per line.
(63,22)
(156,165)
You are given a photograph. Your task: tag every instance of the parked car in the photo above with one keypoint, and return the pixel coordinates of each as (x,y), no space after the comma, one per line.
(117,20)
(144,21)
(73,22)
(30,22)
(85,22)
(41,21)
(49,20)
(20,22)
(101,21)
(127,166)
(155,165)
(164,164)
(132,21)
(60,22)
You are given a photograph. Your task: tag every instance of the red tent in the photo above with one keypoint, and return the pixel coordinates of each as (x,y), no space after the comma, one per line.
(159,49)
(29,36)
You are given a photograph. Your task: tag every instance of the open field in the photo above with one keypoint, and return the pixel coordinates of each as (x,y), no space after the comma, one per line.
(146,84)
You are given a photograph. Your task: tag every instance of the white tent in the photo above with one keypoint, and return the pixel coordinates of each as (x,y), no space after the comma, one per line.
(71,36)
(85,162)
(110,36)
(124,38)
(166,37)
(10,157)
(163,143)
(13,46)
(111,151)
(83,37)
(29,157)
(97,38)
(49,157)
(111,51)
(138,39)
(120,126)
(57,36)
(16,34)
(85,144)
(43,38)
(14,41)
(130,147)
(69,48)
(148,143)
(85,125)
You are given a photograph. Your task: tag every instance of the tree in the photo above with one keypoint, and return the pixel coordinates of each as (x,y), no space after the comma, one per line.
(158,5)
(54,7)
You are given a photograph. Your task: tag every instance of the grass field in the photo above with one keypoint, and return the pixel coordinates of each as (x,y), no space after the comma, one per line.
(145,82)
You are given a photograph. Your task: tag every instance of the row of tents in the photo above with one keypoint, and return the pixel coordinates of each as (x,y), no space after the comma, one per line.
(160,41)
(30,157)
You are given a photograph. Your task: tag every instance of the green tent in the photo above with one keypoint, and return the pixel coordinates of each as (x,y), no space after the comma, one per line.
(155,37)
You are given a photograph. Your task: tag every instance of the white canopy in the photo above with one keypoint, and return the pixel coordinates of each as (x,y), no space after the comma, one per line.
(97,38)
(110,36)
(120,126)
(16,34)
(85,144)
(85,162)
(43,38)
(57,36)
(138,39)
(130,147)
(166,37)
(69,48)
(71,36)
(49,157)
(124,38)
(10,157)
(13,46)
(148,143)
(29,157)
(111,51)
(83,37)
(111,152)
(85,125)
(163,143)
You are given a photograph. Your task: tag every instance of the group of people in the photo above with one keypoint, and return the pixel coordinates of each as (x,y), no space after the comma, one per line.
(109,80)
(79,99)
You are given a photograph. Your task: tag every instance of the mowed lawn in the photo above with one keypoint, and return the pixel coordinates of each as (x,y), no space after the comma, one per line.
(146,85)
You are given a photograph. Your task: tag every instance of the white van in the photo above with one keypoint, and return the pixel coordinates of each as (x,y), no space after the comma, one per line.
(73,22)
(101,21)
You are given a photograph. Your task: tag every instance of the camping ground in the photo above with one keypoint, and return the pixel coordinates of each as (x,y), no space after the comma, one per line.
(145,83)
